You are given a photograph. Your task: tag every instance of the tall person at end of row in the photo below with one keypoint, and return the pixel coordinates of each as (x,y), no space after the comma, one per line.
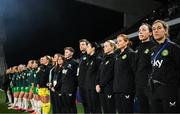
(165,73)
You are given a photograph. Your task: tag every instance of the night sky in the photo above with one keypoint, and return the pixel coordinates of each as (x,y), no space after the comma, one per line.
(39,27)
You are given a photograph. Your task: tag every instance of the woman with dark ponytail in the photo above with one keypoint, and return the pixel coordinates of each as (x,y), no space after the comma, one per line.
(143,67)
(56,98)
(91,75)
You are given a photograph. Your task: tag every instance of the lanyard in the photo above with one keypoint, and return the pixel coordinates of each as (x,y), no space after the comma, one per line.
(80,60)
(160,50)
(50,74)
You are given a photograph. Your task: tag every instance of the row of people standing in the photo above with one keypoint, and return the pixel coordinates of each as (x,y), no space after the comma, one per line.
(150,73)
(31,85)
(63,82)
(110,79)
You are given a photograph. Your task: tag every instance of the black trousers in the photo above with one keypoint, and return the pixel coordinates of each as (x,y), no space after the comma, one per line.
(164,105)
(164,99)
(83,94)
(56,102)
(69,103)
(93,101)
(124,102)
(143,96)
(107,102)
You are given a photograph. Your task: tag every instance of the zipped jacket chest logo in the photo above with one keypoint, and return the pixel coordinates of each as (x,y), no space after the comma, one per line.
(157,63)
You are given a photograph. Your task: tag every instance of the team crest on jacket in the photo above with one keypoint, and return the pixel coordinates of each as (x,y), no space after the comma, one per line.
(91,63)
(124,56)
(165,52)
(84,58)
(64,71)
(146,51)
(69,66)
(28,74)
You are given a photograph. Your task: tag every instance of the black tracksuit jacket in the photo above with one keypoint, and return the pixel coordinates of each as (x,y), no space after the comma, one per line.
(69,77)
(94,62)
(82,69)
(143,63)
(44,75)
(106,74)
(165,61)
(124,72)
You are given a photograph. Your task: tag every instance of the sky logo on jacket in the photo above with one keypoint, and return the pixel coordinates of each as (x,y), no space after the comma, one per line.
(157,63)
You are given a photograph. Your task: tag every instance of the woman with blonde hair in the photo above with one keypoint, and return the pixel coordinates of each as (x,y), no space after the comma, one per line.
(104,82)
(123,84)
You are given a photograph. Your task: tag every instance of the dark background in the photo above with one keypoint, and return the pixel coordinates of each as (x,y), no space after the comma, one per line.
(38,27)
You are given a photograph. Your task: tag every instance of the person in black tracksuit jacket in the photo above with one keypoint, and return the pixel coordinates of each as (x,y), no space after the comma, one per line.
(43,74)
(52,77)
(81,73)
(69,82)
(143,67)
(123,85)
(43,79)
(93,64)
(56,82)
(104,83)
(165,75)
